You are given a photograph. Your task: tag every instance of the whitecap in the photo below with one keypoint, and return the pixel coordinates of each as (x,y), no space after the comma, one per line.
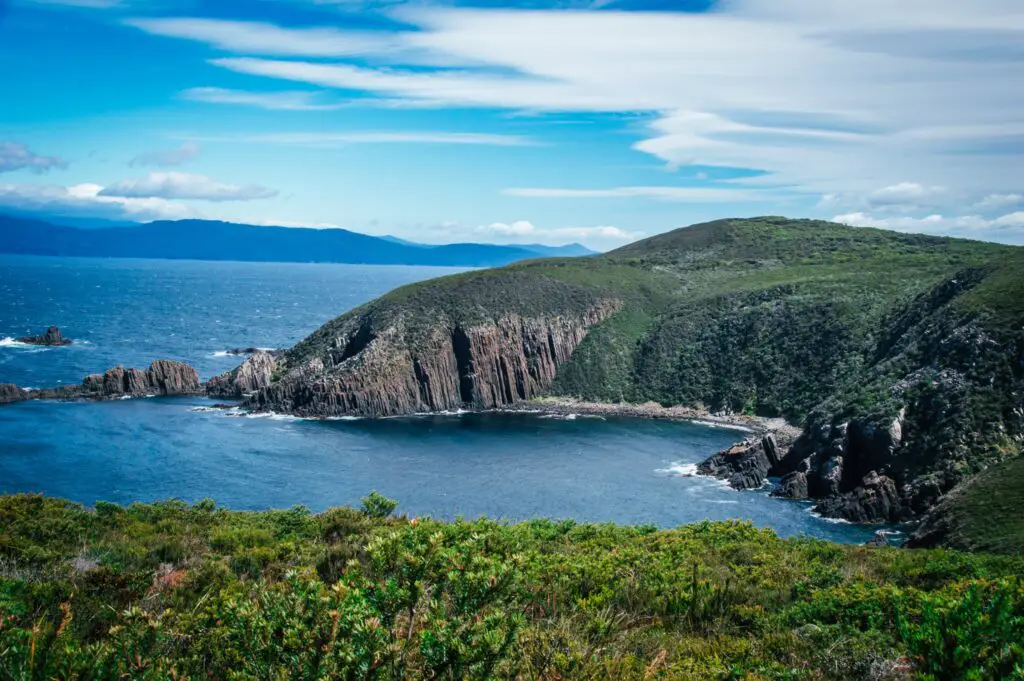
(561,417)
(678,469)
(9,342)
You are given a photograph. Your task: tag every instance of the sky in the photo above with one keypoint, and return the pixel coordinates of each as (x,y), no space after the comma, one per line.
(548,121)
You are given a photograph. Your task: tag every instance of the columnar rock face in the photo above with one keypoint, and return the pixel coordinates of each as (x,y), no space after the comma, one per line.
(163,377)
(397,370)
(250,376)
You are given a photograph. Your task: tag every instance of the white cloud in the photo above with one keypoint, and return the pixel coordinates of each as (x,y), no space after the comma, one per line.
(1008,228)
(177,185)
(1000,201)
(319,139)
(188,151)
(600,237)
(694,194)
(840,100)
(906,195)
(262,38)
(85,200)
(274,101)
(14,156)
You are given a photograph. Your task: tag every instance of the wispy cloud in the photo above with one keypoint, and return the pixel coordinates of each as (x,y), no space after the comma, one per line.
(1008,228)
(177,185)
(696,194)
(296,100)
(829,102)
(14,156)
(320,139)
(600,237)
(166,158)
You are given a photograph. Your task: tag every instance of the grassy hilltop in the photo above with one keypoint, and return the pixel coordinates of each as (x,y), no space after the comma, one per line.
(172,591)
(897,353)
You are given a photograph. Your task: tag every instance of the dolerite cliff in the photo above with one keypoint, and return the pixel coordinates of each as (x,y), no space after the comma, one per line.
(383,367)
(896,359)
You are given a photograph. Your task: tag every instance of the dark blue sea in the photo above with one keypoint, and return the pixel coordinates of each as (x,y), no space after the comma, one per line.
(504,465)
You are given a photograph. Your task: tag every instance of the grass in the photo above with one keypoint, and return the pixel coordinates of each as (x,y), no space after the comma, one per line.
(172,591)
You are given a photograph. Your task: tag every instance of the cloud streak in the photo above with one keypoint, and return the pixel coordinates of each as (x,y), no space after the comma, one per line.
(178,185)
(14,156)
(864,95)
(166,158)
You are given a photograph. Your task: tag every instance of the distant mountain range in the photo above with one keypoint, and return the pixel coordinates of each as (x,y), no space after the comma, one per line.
(211,240)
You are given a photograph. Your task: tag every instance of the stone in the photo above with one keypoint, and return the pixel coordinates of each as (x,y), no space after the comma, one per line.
(253,374)
(11,393)
(51,337)
(876,499)
(792,486)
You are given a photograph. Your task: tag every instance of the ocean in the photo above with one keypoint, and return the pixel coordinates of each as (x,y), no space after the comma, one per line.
(510,466)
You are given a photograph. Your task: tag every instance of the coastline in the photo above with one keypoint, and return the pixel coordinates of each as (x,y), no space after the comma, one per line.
(564,406)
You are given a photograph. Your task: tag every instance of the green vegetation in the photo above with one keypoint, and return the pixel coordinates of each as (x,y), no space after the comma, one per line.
(172,591)
(984,514)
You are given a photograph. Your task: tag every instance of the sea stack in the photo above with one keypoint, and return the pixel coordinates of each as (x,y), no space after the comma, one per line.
(51,337)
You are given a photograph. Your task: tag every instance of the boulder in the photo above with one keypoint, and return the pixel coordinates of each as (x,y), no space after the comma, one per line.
(876,499)
(792,486)
(51,337)
(12,393)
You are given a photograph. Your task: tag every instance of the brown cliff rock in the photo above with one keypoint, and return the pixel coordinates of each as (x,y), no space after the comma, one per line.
(163,377)
(397,369)
(252,374)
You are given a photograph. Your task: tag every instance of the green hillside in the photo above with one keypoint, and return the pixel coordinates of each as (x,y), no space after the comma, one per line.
(897,353)
(172,591)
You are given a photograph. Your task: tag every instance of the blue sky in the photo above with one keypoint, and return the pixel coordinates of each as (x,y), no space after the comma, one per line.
(597,121)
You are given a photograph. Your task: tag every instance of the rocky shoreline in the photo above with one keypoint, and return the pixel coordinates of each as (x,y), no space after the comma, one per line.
(563,406)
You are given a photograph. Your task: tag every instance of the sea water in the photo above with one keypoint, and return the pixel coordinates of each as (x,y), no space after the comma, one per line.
(511,466)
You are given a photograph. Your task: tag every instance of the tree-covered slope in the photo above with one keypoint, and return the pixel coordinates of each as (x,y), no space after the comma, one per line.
(172,591)
(898,354)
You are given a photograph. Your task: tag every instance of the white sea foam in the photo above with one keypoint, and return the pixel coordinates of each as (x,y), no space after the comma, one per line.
(9,342)
(561,417)
(835,521)
(229,353)
(724,426)
(681,470)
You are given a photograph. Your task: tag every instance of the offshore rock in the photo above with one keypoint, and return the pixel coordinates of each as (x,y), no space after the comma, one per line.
(163,377)
(51,337)
(250,376)
(11,393)
(397,367)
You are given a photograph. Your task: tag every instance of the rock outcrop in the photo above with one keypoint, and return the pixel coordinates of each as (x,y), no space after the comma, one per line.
(875,499)
(374,369)
(11,393)
(162,378)
(747,465)
(51,337)
(253,374)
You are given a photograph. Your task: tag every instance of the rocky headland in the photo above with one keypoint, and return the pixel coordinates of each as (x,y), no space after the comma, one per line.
(875,371)
(162,378)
